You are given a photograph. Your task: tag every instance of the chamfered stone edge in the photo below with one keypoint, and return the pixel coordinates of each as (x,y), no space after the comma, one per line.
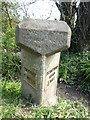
(43,36)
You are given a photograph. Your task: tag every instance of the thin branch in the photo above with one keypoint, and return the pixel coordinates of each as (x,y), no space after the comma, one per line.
(25,9)
(50,13)
(29,3)
(5,5)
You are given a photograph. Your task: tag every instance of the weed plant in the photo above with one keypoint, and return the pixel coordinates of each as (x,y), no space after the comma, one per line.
(75,69)
(13,106)
(10,63)
(85,72)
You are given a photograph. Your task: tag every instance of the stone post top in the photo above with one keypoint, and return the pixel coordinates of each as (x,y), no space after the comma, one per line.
(43,36)
(50,25)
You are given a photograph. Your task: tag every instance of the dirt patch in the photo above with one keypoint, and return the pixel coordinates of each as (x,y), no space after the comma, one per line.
(72,93)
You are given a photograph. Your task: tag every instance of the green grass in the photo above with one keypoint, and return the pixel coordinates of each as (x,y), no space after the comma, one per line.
(14,106)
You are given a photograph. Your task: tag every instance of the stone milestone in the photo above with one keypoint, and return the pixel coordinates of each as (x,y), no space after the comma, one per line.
(41,43)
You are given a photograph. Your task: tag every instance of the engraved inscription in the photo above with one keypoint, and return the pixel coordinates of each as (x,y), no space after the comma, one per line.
(30,77)
(52,70)
(50,76)
(52,79)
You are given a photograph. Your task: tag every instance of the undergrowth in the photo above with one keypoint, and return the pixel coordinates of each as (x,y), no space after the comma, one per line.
(75,69)
(10,63)
(13,106)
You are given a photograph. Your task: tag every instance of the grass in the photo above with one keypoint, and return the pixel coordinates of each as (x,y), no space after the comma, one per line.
(14,106)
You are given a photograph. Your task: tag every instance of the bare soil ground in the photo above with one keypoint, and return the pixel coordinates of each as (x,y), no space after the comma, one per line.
(72,93)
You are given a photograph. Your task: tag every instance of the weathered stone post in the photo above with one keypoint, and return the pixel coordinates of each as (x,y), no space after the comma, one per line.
(41,42)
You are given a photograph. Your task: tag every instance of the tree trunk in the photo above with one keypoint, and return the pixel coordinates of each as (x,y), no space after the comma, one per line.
(81,36)
(81,30)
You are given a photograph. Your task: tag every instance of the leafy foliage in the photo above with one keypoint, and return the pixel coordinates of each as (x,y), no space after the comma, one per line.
(68,68)
(10,14)
(10,17)
(10,63)
(75,69)
(13,106)
(85,72)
